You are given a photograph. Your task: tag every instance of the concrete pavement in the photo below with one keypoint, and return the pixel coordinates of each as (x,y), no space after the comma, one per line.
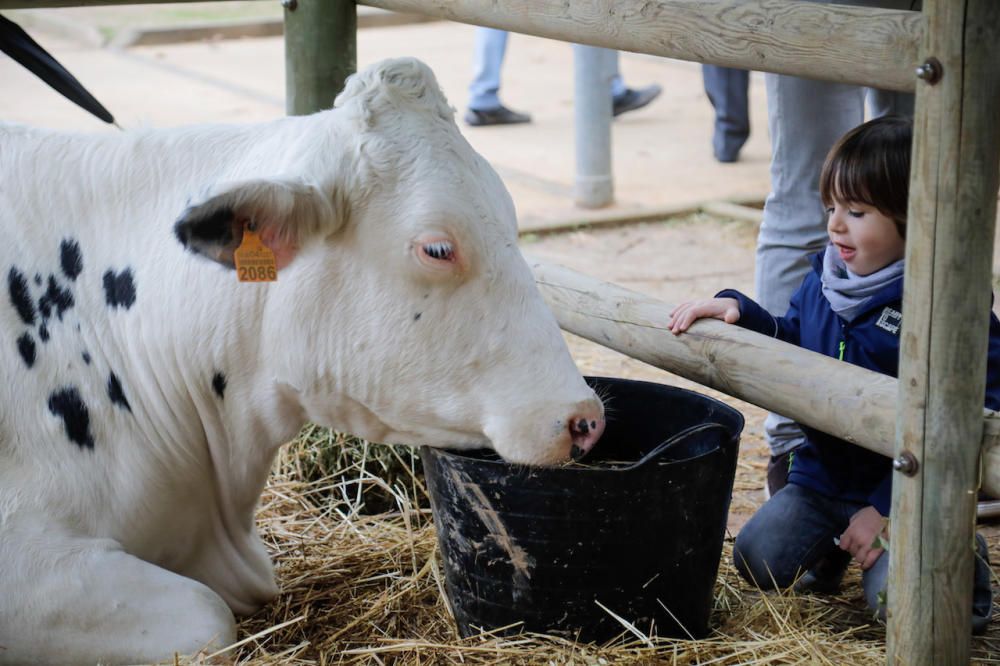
(662,153)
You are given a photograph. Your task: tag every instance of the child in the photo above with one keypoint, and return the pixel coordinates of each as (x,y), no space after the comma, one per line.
(849,307)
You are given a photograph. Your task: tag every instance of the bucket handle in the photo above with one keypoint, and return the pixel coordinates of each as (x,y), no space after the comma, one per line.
(667,443)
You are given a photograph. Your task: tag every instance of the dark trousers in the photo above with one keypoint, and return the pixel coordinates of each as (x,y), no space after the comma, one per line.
(794,532)
(728,91)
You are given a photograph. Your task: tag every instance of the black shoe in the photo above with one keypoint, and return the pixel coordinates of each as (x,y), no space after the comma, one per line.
(982,589)
(632,99)
(498,116)
(727,142)
(727,158)
(826,575)
(728,155)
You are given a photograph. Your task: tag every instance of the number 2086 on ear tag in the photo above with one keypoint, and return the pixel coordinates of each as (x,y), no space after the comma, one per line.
(254,261)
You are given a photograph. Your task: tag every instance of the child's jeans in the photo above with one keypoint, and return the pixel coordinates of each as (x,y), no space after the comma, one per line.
(794,531)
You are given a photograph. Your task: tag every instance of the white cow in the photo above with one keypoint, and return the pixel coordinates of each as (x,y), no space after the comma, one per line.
(147,390)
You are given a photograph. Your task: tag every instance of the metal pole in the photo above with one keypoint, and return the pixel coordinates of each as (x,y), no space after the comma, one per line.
(593,69)
(320,52)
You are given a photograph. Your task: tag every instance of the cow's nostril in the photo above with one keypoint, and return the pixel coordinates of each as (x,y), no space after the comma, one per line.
(584,431)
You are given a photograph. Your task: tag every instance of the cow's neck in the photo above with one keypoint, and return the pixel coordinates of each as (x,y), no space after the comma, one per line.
(162,322)
(218,380)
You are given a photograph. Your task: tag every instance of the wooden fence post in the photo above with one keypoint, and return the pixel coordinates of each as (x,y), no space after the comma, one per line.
(320,52)
(953,190)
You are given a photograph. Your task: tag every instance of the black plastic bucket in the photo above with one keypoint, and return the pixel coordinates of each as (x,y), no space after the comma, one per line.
(637,527)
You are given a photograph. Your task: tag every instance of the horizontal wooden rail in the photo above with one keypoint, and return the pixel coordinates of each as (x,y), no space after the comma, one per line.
(860,45)
(845,400)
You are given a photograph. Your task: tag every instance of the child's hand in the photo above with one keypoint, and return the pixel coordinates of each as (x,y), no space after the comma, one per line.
(861,538)
(685,314)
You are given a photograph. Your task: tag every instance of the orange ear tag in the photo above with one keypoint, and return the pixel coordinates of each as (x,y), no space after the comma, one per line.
(254,260)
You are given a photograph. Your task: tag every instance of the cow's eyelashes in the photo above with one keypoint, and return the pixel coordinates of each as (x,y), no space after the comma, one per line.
(439,250)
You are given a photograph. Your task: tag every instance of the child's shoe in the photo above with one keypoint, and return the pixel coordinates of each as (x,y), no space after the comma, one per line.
(826,575)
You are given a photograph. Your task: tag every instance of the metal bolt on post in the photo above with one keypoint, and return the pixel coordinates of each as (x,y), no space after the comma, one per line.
(906,463)
(930,71)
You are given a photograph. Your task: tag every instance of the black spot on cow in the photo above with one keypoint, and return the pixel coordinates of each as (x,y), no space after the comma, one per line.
(38,279)
(116,393)
(26,347)
(67,405)
(55,300)
(43,332)
(214,228)
(219,384)
(71,259)
(417,316)
(20,297)
(119,288)
(86,358)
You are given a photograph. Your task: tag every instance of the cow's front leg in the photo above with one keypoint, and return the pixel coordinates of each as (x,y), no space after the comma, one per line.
(89,602)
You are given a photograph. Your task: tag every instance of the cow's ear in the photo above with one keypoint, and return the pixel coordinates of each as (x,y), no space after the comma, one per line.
(286,214)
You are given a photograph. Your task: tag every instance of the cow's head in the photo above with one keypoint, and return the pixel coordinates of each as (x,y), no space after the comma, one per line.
(404,311)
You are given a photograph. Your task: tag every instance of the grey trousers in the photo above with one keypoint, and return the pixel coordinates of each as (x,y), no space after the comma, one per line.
(805,118)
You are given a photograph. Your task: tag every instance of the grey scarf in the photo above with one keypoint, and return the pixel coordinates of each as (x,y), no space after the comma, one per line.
(849,293)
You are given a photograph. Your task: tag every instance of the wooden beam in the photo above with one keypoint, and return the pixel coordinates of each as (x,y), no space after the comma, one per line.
(320,52)
(803,385)
(946,306)
(847,401)
(862,45)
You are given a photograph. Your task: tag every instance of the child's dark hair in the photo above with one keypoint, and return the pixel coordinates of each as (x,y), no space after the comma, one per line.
(871,165)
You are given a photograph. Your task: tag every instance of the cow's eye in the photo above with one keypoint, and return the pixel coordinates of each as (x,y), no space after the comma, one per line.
(439,250)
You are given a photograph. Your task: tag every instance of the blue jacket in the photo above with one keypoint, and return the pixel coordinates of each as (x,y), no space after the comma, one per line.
(831,466)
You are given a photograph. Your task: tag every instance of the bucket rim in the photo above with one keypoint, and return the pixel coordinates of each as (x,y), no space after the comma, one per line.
(733,431)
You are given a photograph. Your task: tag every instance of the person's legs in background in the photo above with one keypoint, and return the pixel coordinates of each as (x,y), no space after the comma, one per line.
(883,102)
(490,47)
(485,107)
(624,99)
(728,91)
(618,87)
(805,118)
(484,91)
